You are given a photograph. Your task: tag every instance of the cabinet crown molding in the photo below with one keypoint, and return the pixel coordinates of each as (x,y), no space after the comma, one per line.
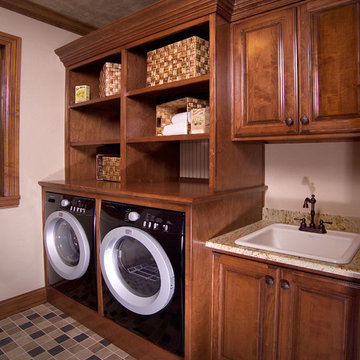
(155,18)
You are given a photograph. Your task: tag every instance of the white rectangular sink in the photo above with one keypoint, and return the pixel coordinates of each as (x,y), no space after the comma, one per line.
(335,246)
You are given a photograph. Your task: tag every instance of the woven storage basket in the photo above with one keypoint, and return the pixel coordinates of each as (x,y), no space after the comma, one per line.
(108,167)
(178,61)
(110,79)
(165,112)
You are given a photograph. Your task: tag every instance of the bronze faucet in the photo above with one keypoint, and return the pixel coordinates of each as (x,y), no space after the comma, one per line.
(312,201)
(312,227)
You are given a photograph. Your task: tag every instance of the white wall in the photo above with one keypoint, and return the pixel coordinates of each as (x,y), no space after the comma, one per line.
(41,150)
(331,171)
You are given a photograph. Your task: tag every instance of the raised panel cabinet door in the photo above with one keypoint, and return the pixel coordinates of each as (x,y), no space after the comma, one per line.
(329,67)
(318,318)
(265,75)
(244,310)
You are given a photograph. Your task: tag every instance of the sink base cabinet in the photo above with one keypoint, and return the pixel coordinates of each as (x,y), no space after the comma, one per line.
(318,318)
(244,310)
(267,312)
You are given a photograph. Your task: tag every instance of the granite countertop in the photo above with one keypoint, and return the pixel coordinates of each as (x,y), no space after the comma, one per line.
(226,243)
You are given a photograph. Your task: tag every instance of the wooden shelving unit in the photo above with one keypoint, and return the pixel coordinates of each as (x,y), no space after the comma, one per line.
(229,195)
(125,124)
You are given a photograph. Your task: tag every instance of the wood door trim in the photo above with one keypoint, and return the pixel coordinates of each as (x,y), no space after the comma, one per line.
(10,67)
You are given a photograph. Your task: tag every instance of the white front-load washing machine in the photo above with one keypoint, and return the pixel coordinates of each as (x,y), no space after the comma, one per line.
(69,243)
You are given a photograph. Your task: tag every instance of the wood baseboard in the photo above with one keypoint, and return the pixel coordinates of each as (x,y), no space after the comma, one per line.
(22,302)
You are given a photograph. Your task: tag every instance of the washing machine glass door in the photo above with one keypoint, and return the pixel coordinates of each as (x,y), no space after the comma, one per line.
(136,270)
(67,247)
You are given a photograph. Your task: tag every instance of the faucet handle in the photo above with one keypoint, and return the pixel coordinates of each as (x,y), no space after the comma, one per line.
(302,224)
(322,226)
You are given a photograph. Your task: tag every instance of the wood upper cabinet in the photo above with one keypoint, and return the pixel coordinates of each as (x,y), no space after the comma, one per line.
(296,73)
(266,312)
(329,67)
(264,75)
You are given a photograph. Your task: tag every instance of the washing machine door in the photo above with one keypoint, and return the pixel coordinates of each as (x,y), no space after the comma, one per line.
(136,270)
(66,244)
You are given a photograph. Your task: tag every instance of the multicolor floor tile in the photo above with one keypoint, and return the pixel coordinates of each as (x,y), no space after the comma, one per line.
(44,332)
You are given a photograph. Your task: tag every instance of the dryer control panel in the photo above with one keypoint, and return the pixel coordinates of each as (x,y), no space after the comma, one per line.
(155,219)
(157,222)
(151,220)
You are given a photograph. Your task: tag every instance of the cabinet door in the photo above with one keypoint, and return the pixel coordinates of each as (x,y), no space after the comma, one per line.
(244,309)
(264,75)
(319,318)
(329,66)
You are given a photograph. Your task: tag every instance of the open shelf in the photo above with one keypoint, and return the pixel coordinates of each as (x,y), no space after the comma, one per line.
(98,103)
(89,74)
(95,142)
(188,87)
(189,137)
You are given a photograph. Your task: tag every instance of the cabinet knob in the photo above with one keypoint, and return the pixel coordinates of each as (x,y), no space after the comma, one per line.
(269,280)
(289,121)
(284,284)
(304,120)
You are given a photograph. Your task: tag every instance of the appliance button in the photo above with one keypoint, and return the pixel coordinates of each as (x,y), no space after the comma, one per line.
(149,224)
(166,227)
(65,202)
(133,216)
(156,225)
(144,224)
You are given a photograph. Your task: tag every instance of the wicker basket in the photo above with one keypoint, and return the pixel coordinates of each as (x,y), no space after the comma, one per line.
(108,167)
(110,79)
(165,112)
(182,60)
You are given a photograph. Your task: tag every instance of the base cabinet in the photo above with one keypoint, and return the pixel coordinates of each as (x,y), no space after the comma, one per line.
(267,312)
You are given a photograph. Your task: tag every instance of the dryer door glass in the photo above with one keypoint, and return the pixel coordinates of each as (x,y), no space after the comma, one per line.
(138,267)
(136,270)
(66,242)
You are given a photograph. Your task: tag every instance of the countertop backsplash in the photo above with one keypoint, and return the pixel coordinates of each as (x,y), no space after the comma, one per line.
(339,223)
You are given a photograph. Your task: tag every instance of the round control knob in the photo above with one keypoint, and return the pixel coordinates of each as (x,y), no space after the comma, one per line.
(133,216)
(65,202)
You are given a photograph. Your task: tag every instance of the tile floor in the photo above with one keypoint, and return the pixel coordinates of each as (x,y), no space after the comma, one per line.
(45,332)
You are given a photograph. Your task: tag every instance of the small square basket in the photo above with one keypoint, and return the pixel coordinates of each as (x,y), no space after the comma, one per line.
(108,167)
(110,79)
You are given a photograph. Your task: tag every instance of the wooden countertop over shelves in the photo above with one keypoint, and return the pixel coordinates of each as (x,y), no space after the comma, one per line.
(183,192)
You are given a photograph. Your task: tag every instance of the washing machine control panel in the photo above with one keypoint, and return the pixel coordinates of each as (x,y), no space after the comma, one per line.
(75,205)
